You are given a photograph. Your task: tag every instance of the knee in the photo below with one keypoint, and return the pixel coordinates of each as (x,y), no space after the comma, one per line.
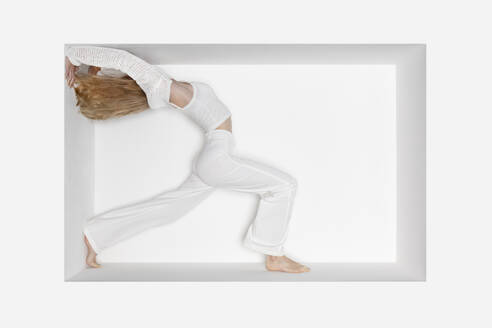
(292,183)
(286,188)
(289,184)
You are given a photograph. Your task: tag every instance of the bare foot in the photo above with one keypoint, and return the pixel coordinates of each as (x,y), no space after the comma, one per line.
(284,264)
(91,255)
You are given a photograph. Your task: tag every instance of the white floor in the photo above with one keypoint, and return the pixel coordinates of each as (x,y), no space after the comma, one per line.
(339,143)
(202,272)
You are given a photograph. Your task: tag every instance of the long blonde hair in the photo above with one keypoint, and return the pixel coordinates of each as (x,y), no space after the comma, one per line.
(103,97)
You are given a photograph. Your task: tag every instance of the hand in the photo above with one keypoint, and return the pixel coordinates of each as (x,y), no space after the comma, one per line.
(70,70)
(93,70)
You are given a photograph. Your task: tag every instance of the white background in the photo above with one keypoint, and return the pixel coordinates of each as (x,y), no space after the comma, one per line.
(459,161)
(333,127)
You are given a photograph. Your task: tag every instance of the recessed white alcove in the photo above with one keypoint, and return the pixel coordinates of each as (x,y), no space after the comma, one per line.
(347,121)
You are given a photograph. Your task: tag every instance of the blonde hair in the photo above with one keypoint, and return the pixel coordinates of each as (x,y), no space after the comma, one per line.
(103,97)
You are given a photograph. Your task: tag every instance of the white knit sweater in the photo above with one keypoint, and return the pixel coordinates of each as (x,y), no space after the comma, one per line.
(205,108)
(154,82)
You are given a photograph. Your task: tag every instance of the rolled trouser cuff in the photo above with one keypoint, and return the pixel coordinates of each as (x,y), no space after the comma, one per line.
(274,250)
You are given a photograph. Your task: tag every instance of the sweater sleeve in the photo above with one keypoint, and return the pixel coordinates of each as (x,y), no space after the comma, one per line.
(147,76)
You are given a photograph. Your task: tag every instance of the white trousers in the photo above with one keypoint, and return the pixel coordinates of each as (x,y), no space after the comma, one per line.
(214,167)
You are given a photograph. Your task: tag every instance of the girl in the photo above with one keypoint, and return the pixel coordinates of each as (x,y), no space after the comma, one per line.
(120,83)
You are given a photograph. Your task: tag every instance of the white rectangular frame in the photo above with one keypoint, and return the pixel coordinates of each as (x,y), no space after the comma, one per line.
(410,62)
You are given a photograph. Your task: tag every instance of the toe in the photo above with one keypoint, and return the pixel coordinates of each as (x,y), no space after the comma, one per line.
(94,264)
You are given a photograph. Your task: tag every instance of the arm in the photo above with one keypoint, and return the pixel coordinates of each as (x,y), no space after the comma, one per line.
(147,76)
